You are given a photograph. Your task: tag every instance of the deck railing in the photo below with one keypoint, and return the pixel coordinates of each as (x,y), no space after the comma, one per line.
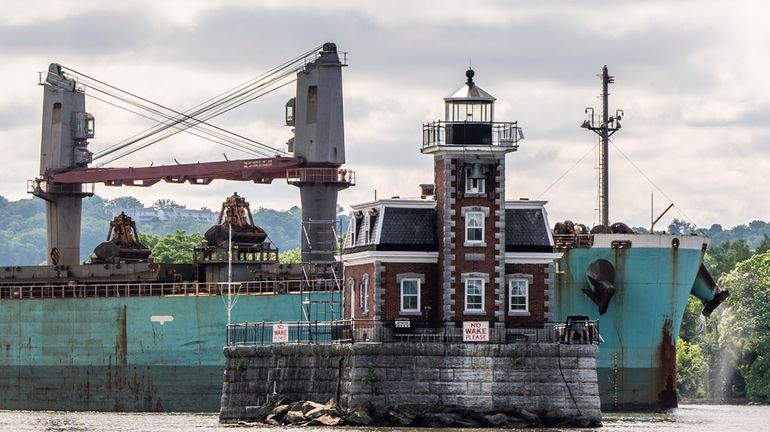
(504,134)
(146,289)
(569,241)
(358,331)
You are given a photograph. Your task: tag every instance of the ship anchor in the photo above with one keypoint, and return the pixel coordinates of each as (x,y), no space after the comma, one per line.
(601,278)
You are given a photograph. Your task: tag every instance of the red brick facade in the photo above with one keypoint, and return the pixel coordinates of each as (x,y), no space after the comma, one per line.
(457,261)
(430,291)
(357,274)
(537,295)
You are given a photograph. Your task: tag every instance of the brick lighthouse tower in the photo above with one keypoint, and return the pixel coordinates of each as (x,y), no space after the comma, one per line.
(469,150)
(460,256)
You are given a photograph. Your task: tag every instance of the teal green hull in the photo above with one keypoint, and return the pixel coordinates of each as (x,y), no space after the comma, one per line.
(636,361)
(124,354)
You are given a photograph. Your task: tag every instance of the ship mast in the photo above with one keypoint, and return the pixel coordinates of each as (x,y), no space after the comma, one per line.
(607,127)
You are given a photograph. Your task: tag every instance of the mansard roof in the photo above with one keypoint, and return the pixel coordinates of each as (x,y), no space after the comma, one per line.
(393,225)
(526,227)
(412,225)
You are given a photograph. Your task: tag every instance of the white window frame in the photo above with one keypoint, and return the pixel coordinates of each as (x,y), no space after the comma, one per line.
(352,231)
(367,228)
(363,295)
(473,186)
(511,284)
(472,216)
(417,294)
(473,281)
(352,285)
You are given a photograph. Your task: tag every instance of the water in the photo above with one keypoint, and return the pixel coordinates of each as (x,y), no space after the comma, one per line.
(689,418)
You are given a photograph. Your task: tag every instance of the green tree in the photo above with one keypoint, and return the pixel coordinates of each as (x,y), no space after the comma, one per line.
(291,256)
(282,227)
(690,369)
(680,227)
(692,329)
(764,245)
(172,248)
(166,203)
(722,258)
(123,203)
(744,326)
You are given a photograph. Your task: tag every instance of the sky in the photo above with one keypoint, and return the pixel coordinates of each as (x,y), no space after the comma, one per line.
(691,77)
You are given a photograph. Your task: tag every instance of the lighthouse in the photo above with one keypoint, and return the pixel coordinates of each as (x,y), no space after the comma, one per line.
(469,149)
(459,255)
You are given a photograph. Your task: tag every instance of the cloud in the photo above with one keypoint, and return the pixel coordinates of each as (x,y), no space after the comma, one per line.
(691,77)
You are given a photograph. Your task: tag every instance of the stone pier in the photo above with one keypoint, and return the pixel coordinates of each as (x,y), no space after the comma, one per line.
(554,384)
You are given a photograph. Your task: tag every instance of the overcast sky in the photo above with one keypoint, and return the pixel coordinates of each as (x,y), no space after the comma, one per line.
(691,76)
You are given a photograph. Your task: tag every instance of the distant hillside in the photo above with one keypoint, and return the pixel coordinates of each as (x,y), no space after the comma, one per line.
(23,231)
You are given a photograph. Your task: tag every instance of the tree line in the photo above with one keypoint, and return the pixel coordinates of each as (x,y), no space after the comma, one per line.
(23,228)
(726,357)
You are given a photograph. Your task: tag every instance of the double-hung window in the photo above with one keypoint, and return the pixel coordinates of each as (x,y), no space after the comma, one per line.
(352,286)
(518,295)
(410,295)
(474,227)
(474,295)
(363,295)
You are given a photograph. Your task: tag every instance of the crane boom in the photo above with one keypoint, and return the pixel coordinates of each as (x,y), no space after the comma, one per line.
(257,170)
(318,148)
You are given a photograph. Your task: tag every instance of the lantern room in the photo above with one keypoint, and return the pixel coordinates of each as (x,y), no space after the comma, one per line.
(468,113)
(469,121)
(469,104)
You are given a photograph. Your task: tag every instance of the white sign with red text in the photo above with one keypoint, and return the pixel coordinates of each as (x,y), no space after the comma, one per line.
(280,333)
(475,331)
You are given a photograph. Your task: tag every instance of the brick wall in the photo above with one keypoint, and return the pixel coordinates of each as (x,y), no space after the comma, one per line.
(430,294)
(357,272)
(487,259)
(538,296)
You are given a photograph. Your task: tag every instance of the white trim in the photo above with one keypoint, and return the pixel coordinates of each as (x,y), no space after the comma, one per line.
(525,204)
(532,257)
(363,295)
(454,150)
(548,227)
(368,257)
(352,286)
(378,228)
(395,202)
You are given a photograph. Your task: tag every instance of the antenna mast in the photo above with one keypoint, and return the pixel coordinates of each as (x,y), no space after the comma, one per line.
(607,127)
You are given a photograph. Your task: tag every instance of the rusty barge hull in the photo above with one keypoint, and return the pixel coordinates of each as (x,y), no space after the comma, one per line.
(653,277)
(152,353)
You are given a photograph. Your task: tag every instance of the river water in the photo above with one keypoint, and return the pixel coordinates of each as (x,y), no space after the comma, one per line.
(688,418)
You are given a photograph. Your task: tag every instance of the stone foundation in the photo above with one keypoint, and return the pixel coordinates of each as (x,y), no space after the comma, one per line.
(556,383)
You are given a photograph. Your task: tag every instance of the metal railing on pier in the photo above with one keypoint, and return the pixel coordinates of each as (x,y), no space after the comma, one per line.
(358,331)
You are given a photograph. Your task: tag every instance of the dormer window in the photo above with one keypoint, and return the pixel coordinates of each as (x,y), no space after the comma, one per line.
(367,228)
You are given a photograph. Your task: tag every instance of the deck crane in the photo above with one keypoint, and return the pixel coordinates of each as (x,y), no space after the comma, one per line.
(316,152)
